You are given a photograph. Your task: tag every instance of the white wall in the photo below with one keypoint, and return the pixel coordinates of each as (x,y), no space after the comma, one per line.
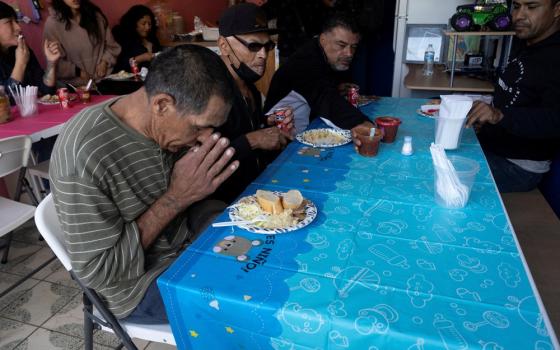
(433,11)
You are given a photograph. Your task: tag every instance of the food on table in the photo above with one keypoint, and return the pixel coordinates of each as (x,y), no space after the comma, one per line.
(269,202)
(430,109)
(49,98)
(121,75)
(322,137)
(269,207)
(292,199)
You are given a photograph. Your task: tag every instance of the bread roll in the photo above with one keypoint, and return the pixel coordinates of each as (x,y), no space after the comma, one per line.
(269,202)
(292,199)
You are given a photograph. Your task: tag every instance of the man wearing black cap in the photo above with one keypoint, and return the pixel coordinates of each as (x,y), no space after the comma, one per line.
(244,44)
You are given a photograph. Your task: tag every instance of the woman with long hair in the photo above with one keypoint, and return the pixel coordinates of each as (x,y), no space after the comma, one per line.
(136,33)
(88,47)
(18,64)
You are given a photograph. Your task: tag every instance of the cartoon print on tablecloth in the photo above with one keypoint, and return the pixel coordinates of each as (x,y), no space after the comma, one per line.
(352,277)
(421,213)
(367,208)
(426,265)
(391,227)
(458,275)
(482,246)
(389,255)
(466,294)
(431,247)
(451,337)
(471,226)
(419,290)
(338,339)
(337,226)
(472,264)
(375,320)
(543,345)
(317,240)
(443,233)
(498,221)
(236,246)
(418,345)
(509,274)
(533,319)
(281,344)
(365,235)
(310,285)
(345,249)
(486,283)
(487,202)
(358,176)
(492,318)
(336,309)
(399,193)
(301,320)
(458,310)
(302,266)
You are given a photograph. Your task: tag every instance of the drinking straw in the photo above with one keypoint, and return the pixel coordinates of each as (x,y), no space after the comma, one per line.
(372,133)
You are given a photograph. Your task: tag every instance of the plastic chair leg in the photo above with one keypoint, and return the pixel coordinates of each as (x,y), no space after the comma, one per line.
(88,324)
(6,245)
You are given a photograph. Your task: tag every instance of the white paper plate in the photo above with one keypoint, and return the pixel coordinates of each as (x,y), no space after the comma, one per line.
(117,76)
(325,137)
(71,97)
(310,215)
(432,116)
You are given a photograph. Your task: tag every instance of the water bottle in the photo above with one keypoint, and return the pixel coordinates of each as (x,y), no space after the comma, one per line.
(198,24)
(429,61)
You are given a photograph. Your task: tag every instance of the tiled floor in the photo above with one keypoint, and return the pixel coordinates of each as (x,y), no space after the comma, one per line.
(45,312)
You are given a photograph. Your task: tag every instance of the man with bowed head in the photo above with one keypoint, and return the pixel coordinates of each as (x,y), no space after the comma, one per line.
(129,178)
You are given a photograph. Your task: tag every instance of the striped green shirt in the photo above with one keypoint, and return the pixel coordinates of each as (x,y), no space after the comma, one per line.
(104,175)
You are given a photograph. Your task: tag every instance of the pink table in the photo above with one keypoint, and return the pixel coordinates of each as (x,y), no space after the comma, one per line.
(48,122)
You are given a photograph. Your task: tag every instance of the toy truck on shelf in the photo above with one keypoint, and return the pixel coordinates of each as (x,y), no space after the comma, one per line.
(491,14)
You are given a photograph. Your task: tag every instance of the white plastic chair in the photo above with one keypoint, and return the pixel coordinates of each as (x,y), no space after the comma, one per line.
(37,173)
(14,155)
(47,222)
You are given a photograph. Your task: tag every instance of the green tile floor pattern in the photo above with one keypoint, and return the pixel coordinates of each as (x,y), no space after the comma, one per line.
(45,312)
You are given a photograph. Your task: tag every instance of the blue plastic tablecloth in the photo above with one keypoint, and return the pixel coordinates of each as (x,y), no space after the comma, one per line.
(381,267)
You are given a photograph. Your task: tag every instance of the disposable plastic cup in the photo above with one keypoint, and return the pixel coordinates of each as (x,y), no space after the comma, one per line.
(369,145)
(390,126)
(84,95)
(466,172)
(30,108)
(449,131)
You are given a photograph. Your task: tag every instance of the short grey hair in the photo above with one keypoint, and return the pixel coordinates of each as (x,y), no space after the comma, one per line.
(191,74)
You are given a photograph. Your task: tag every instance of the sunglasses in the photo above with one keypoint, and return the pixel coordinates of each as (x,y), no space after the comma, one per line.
(256,47)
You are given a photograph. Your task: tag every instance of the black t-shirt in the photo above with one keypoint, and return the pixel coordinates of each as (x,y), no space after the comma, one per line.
(528,94)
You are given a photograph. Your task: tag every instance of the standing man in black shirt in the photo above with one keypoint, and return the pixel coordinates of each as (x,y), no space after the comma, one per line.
(314,74)
(245,44)
(520,134)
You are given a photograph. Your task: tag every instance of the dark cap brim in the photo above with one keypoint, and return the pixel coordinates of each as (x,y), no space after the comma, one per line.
(258,30)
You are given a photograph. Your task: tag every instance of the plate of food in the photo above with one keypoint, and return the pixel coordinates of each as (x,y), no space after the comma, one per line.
(273,212)
(53,99)
(122,75)
(430,110)
(366,99)
(325,137)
